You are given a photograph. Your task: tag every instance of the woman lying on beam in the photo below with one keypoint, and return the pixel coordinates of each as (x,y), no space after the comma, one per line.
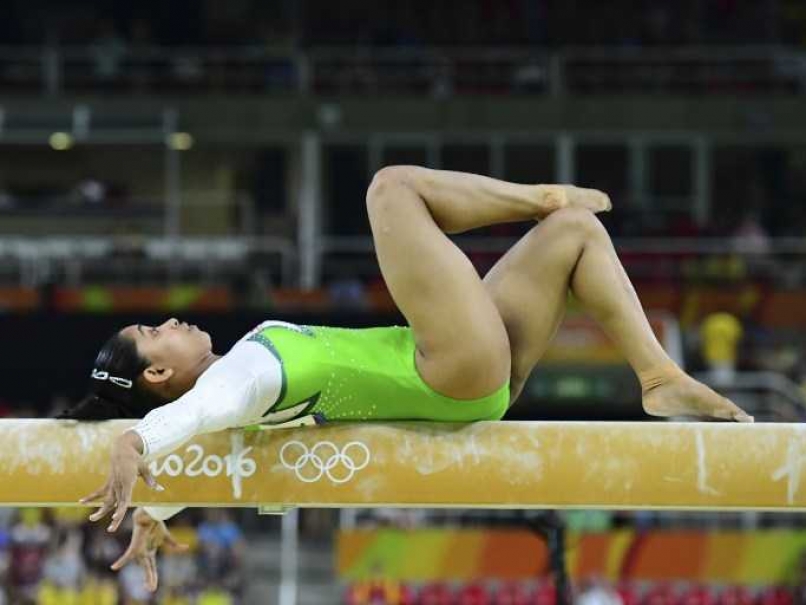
(470,346)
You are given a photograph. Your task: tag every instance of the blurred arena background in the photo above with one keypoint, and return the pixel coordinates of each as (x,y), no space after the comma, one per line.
(209,160)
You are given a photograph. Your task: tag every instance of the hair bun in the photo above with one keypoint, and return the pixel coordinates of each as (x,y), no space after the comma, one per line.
(94,407)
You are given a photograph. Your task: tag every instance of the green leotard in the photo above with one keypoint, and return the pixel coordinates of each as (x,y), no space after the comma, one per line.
(363,374)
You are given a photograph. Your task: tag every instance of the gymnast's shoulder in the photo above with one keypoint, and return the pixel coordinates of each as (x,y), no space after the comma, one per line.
(247,368)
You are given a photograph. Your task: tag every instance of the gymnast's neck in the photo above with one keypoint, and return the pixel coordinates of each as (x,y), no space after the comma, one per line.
(183,381)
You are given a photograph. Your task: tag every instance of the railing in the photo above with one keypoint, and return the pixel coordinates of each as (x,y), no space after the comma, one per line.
(768,396)
(34,261)
(645,258)
(200,212)
(37,261)
(55,70)
(435,71)
(786,246)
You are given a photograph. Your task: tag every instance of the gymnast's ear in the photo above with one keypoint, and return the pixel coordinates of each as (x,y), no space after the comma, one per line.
(155,374)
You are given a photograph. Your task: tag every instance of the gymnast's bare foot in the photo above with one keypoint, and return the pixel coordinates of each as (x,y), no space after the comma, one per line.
(554,197)
(681,395)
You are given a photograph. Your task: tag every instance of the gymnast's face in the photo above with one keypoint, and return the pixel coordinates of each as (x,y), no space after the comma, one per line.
(174,348)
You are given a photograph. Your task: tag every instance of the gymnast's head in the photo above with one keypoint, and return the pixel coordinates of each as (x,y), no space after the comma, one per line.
(142,367)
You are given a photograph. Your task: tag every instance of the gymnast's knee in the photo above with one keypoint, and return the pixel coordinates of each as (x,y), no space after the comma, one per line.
(578,222)
(388,180)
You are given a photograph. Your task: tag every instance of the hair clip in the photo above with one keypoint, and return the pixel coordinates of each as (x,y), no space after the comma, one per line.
(121,382)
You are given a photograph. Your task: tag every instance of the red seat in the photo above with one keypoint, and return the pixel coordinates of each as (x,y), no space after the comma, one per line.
(735,595)
(407,595)
(545,594)
(436,594)
(356,594)
(513,593)
(629,593)
(775,595)
(660,594)
(474,594)
(380,592)
(698,595)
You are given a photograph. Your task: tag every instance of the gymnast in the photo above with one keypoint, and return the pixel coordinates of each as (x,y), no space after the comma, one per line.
(470,345)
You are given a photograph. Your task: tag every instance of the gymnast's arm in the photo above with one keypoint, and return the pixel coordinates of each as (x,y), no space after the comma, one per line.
(216,403)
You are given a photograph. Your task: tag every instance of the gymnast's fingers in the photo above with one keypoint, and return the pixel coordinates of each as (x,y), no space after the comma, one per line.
(127,556)
(108,505)
(171,545)
(145,473)
(150,565)
(98,493)
(123,498)
(119,514)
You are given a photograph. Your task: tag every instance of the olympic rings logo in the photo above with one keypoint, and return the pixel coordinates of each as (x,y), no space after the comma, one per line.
(324,459)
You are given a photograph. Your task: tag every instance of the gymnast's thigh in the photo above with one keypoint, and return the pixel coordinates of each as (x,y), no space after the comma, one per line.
(462,345)
(530,288)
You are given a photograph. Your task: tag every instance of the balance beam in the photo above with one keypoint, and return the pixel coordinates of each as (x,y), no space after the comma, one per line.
(517,465)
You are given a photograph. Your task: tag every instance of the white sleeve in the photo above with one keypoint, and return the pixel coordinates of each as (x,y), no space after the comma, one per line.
(217,402)
(163,513)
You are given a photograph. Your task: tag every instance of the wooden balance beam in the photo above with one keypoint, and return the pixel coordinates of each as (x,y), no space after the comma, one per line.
(516,465)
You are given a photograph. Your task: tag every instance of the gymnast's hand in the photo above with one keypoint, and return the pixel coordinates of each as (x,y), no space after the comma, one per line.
(116,494)
(148,535)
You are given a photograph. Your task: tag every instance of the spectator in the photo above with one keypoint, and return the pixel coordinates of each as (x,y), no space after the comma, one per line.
(752,242)
(108,51)
(4,562)
(720,334)
(98,591)
(90,192)
(179,570)
(133,586)
(221,549)
(7,199)
(100,551)
(64,568)
(175,596)
(30,537)
(7,517)
(214,595)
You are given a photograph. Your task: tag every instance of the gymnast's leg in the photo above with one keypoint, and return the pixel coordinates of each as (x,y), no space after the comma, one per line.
(462,346)
(571,250)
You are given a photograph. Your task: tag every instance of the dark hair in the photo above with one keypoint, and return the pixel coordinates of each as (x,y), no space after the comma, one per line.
(115,388)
